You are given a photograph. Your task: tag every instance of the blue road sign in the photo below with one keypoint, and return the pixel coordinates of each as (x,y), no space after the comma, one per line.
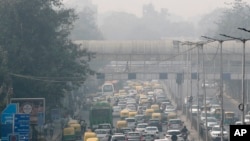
(11,108)
(7,120)
(21,126)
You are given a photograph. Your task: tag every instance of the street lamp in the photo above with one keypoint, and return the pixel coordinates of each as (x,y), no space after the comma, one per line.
(221,82)
(243,29)
(242,105)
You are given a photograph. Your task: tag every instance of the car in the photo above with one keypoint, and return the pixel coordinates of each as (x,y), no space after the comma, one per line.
(169,109)
(203,115)
(211,121)
(103,134)
(148,137)
(131,122)
(140,118)
(171,132)
(195,109)
(152,130)
(125,130)
(215,133)
(118,137)
(174,124)
(141,127)
(116,111)
(155,122)
(133,136)
(107,126)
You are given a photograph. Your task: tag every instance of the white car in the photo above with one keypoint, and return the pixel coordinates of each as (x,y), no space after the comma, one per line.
(203,115)
(174,132)
(215,133)
(152,130)
(169,109)
(116,111)
(211,121)
(141,127)
(195,109)
(103,134)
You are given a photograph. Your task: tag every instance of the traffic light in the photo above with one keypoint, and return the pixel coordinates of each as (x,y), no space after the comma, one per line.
(131,76)
(163,76)
(100,75)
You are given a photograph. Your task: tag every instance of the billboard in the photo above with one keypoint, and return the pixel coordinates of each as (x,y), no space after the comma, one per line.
(32,106)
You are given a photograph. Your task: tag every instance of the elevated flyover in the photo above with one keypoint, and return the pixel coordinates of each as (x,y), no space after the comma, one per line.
(150,57)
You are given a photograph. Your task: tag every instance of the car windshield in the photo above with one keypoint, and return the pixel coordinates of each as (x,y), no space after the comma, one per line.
(101,132)
(211,120)
(175,121)
(174,132)
(142,126)
(133,134)
(218,129)
(151,128)
(120,138)
(130,120)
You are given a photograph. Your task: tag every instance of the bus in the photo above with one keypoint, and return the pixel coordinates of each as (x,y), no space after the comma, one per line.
(100,113)
(108,89)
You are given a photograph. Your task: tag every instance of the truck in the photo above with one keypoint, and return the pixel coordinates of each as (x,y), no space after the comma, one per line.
(100,113)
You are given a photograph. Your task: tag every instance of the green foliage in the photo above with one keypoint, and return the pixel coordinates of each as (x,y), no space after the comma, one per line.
(35,35)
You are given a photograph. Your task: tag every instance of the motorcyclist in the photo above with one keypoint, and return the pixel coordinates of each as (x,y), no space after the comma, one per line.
(184,132)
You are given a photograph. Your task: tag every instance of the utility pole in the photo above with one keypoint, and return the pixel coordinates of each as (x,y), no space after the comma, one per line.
(242,105)
(204,88)
(221,84)
(198,91)
(191,89)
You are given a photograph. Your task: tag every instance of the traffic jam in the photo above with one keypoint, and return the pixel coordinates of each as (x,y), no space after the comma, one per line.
(130,111)
(144,111)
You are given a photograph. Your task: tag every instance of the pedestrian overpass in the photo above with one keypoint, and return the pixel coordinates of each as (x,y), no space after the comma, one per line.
(156,59)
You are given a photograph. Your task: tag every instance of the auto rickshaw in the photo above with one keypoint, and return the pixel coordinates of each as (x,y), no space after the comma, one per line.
(88,135)
(148,113)
(172,115)
(121,124)
(156,108)
(229,118)
(69,134)
(132,114)
(156,116)
(77,128)
(93,139)
(72,121)
(124,114)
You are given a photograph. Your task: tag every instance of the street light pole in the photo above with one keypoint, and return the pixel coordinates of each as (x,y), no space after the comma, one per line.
(221,85)
(242,105)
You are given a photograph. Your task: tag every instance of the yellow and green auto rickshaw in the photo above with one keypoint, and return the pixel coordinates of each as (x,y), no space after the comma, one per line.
(148,113)
(229,117)
(93,139)
(121,124)
(172,115)
(156,108)
(88,135)
(124,114)
(69,134)
(77,128)
(132,114)
(156,116)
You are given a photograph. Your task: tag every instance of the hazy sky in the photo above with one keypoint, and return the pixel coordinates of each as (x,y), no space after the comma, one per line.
(183,8)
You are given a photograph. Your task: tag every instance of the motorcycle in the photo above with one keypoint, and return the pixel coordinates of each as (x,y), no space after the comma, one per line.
(185,136)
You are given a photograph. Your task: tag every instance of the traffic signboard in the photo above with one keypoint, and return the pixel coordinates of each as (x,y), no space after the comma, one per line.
(21,126)
(7,120)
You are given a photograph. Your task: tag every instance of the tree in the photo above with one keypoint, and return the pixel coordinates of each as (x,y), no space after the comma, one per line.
(234,17)
(85,27)
(41,59)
